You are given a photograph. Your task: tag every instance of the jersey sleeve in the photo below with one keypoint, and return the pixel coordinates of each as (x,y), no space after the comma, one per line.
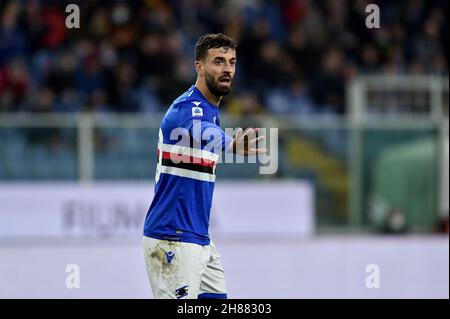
(214,137)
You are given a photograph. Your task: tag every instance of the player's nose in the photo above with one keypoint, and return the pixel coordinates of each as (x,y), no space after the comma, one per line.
(227,68)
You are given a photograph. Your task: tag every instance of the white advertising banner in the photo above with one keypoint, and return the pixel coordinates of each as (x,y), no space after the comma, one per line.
(105,210)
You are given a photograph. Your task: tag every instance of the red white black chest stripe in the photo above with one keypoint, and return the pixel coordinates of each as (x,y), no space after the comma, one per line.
(187,162)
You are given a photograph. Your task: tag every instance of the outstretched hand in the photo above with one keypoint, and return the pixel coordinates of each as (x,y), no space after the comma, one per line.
(245,142)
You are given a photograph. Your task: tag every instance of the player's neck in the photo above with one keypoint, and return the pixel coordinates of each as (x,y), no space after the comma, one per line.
(212,99)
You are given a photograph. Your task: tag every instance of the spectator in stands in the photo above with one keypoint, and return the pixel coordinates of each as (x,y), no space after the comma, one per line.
(291,51)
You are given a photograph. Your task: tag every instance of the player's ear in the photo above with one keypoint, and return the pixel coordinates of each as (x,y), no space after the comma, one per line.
(199,67)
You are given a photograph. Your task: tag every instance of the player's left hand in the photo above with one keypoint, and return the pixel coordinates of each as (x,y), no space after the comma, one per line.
(245,142)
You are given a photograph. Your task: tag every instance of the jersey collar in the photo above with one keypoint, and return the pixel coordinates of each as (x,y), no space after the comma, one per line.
(200,96)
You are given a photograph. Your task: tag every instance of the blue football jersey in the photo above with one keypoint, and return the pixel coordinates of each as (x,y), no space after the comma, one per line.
(190,143)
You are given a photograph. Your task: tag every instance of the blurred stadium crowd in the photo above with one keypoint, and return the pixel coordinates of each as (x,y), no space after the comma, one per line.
(294,56)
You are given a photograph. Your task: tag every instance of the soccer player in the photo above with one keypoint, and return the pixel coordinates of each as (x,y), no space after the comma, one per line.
(181,260)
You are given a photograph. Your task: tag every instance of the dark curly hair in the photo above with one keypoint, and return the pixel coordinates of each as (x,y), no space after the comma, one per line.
(213,41)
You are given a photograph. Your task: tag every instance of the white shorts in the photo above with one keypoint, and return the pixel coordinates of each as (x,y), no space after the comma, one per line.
(179,270)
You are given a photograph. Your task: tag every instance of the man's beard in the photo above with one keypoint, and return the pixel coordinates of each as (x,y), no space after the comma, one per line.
(214,88)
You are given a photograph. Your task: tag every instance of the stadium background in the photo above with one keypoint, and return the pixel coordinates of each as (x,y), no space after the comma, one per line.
(362,116)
